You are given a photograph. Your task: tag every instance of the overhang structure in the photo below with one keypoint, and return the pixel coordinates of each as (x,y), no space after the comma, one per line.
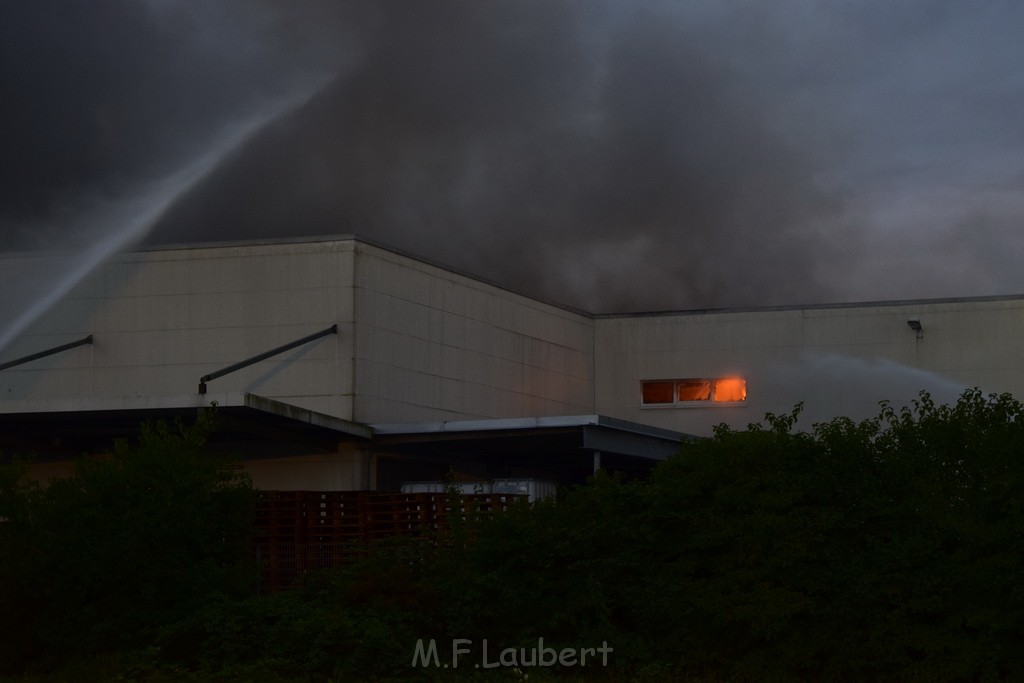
(560,448)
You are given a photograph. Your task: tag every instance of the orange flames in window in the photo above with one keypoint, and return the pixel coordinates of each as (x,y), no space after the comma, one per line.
(692,391)
(731,389)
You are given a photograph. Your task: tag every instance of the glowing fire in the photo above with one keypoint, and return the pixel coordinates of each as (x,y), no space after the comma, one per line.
(691,391)
(730,389)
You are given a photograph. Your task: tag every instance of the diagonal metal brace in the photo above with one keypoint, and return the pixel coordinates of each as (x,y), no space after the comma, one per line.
(333,329)
(47,352)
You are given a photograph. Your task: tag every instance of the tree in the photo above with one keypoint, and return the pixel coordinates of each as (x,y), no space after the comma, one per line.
(889,547)
(97,561)
(884,548)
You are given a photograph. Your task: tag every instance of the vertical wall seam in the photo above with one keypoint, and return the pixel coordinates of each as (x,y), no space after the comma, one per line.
(354,362)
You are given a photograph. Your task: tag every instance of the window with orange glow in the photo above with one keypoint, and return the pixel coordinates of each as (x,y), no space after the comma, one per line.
(655,393)
(730,389)
(693,391)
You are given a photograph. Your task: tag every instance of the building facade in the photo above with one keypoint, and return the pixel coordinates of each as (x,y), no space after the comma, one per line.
(411,367)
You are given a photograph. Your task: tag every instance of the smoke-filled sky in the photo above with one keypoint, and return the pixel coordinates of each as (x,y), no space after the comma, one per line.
(614,155)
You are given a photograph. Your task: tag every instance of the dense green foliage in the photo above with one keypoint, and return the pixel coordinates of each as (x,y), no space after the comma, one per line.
(97,561)
(886,549)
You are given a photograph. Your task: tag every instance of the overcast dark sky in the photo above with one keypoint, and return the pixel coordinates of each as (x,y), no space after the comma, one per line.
(619,155)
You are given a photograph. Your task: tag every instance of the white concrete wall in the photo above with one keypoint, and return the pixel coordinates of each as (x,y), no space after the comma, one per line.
(838,360)
(418,342)
(162,319)
(435,345)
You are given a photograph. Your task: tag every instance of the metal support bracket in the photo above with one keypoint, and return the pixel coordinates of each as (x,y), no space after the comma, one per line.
(47,352)
(333,329)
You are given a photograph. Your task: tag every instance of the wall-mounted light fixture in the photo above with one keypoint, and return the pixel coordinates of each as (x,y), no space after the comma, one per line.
(915,325)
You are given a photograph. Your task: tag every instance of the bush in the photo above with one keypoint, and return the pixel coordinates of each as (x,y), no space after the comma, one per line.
(310,633)
(884,549)
(95,562)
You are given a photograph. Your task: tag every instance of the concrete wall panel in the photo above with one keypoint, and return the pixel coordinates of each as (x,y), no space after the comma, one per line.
(419,342)
(432,344)
(161,319)
(839,360)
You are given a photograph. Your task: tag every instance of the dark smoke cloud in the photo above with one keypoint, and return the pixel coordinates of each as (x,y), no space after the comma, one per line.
(613,155)
(101,95)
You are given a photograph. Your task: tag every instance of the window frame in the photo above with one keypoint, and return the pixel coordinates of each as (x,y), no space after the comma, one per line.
(697,403)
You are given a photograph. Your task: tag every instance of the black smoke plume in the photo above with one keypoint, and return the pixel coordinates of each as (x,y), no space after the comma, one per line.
(611,155)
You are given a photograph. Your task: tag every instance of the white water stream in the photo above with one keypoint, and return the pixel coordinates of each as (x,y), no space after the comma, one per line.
(127,220)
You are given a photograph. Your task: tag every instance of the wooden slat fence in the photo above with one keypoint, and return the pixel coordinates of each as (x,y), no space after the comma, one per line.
(302,531)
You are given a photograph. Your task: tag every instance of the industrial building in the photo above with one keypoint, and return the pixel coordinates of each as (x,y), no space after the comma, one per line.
(371,368)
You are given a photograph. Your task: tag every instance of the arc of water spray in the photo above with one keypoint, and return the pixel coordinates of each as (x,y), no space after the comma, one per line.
(139,215)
